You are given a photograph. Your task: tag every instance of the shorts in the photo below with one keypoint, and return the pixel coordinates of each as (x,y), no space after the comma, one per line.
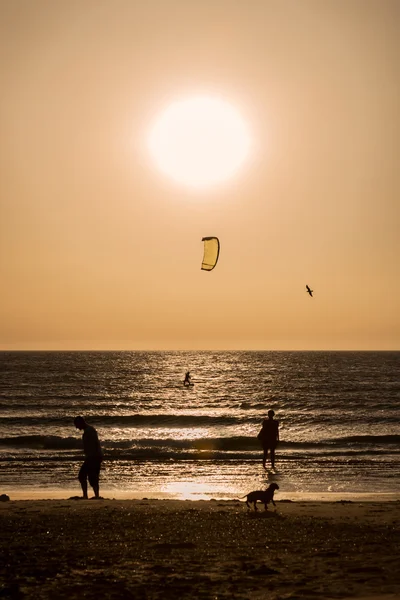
(91,470)
(269,445)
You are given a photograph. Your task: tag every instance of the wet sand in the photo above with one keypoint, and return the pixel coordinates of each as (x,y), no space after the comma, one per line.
(174,549)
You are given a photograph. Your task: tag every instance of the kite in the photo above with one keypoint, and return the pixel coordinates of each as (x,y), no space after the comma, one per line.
(211,253)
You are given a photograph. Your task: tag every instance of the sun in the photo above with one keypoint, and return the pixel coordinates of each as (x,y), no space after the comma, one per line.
(199,141)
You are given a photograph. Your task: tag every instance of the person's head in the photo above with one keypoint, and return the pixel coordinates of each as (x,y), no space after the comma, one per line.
(271,414)
(79,422)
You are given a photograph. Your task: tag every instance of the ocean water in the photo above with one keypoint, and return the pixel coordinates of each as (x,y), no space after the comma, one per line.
(339,415)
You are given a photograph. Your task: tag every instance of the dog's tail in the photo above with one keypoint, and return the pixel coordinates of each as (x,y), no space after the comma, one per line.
(241,497)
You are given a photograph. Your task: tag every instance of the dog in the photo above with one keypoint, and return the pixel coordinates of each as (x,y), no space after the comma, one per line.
(265,496)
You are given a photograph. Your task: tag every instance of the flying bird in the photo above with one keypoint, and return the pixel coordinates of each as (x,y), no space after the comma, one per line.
(309,291)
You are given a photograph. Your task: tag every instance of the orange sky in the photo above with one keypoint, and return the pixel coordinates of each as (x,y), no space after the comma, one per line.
(98,250)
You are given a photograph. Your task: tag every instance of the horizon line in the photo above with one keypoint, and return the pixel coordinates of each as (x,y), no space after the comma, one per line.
(199,350)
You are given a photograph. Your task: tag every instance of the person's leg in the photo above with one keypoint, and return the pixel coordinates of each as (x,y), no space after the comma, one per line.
(83,479)
(265,457)
(94,482)
(94,475)
(273,458)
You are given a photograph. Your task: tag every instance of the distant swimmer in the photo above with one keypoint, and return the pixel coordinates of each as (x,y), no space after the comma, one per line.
(269,437)
(187,381)
(309,291)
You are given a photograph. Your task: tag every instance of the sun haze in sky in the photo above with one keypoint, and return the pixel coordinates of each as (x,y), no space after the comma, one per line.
(132,130)
(199,141)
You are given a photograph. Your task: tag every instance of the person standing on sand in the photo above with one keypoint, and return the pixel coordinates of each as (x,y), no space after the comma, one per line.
(90,470)
(269,437)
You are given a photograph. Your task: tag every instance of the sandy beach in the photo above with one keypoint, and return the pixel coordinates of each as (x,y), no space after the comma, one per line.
(150,549)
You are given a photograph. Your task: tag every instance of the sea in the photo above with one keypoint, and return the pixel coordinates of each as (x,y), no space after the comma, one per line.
(338,414)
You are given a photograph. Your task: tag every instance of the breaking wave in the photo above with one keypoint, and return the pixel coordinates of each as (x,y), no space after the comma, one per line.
(212,444)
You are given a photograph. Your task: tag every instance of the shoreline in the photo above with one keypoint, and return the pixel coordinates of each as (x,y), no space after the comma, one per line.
(152,549)
(66,493)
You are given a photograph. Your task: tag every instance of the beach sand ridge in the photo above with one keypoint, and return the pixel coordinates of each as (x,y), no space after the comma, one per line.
(153,549)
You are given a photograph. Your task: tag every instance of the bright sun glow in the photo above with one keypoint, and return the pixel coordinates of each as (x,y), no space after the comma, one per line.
(199,141)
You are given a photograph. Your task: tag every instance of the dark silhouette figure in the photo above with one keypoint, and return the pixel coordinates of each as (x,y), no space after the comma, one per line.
(264,496)
(269,437)
(187,380)
(90,470)
(309,291)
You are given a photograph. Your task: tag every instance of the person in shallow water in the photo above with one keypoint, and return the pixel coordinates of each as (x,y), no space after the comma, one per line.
(269,437)
(90,470)
(187,380)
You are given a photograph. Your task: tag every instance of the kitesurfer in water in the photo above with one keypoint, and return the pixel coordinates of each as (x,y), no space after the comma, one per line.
(187,380)
(269,437)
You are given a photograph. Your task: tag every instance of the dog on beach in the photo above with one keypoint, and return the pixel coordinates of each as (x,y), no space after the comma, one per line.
(264,496)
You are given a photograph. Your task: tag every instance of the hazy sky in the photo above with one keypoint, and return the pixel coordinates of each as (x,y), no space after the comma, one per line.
(99,250)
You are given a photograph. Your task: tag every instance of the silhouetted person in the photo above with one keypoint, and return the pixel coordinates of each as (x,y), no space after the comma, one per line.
(309,291)
(269,437)
(90,470)
(187,380)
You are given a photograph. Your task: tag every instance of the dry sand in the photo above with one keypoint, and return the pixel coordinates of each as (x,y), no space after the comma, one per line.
(153,549)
